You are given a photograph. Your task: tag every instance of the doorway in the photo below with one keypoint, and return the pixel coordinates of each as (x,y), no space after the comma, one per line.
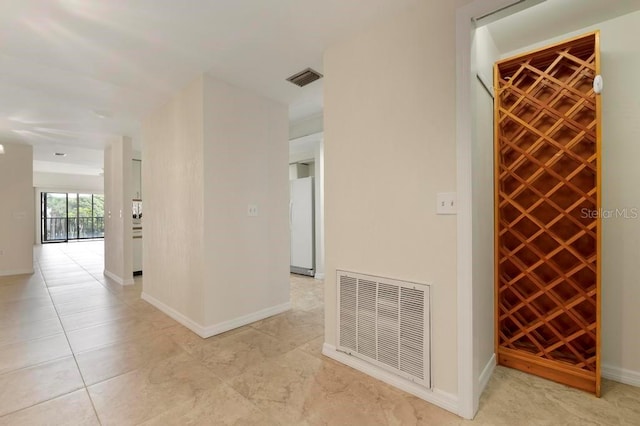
(71,216)
(306,162)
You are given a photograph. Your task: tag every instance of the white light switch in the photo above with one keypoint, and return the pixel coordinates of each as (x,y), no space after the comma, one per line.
(252,210)
(447,203)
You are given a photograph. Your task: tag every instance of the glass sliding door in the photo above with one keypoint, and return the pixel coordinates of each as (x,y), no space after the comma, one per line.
(54,217)
(85,216)
(98,215)
(71,216)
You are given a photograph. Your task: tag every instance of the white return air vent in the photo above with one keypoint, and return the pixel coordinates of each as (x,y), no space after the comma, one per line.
(385,322)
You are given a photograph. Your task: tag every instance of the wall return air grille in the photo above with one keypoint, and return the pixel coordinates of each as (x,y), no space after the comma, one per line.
(386,323)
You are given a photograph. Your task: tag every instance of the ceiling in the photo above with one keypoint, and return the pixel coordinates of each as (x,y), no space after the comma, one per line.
(553,18)
(76,73)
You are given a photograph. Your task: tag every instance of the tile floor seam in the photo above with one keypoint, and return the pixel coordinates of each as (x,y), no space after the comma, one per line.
(201,362)
(227,381)
(92,275)
(115,342)
(75,360)
(118,375)
(35,339)
(85,310)
(92,325)
(42,402)
(276,337)
(37,364)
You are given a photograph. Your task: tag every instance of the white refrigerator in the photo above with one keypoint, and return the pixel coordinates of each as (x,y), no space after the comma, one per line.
(302,224)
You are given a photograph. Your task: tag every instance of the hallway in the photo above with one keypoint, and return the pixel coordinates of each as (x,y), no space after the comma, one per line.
(76,348)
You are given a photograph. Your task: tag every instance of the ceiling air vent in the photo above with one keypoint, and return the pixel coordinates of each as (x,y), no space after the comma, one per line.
(305,77)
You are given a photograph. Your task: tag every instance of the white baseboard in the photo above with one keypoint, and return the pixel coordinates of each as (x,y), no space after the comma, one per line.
(617,374)
(212,330)
(435,396)
(16,272)
(119,280)
(486,374)
(628,377)
(319,276)
(199,329)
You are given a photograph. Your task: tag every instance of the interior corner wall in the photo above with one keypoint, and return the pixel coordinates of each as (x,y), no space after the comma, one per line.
(484,55)
(620,60)
(390,147)
(16,210)
(118,256)
(246,154)
(173,187)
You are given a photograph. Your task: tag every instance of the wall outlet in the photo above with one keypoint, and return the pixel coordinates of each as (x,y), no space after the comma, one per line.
(252,210)
(447,203)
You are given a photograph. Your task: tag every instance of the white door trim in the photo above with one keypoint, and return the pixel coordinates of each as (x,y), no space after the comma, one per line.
(468,385)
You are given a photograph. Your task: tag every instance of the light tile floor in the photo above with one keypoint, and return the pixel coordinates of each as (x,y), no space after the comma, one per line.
(76,349)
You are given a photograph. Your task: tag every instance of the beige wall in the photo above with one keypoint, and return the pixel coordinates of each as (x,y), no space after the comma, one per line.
(246,153)
(484,54)
(389,148)
(209,153)
(173,188)
(16,210)
(118,256)
(620,55)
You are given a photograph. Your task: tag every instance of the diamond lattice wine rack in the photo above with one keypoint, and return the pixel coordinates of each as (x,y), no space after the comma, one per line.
(547,158)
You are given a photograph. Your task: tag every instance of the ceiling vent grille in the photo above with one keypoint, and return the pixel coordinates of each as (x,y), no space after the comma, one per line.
(305,77)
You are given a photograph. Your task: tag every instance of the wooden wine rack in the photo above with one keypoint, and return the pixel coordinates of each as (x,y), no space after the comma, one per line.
(547,157)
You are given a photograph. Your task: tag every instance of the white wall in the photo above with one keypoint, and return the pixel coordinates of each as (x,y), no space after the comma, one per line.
(484,54)
(63,182)
(118,256)
(306,126)
(173,187)
(620,56)
(246,148)
(16,210)
(210,153)
(304,149)
(389,148)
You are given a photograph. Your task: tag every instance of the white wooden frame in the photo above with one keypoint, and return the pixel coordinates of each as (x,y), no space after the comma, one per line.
(468,384)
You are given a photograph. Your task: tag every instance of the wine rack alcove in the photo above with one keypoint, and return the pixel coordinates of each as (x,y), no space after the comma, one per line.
(547,180)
